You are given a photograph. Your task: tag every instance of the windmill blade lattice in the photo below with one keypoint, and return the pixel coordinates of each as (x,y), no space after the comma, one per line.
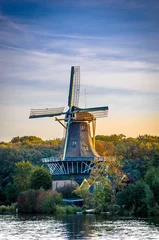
(97,112)
(78,141)
(74,90)
(47,112)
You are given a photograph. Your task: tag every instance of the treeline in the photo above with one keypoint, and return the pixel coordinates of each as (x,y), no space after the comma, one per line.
(138,156)
(27,148)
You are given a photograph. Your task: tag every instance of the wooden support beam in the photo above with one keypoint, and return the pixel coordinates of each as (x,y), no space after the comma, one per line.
(56,119)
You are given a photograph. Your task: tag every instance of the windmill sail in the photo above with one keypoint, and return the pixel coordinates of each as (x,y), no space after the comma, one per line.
(74,90)
(47,112)
(89,114)
(73,98)
(97,112)
(78,140)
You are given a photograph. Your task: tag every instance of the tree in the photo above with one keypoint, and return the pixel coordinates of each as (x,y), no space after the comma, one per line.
(102,195)
(11,192)
(22,175)
(110,169)
(137,198)
(27,201)
(67,191)
(100,148)
(40,178)
(83,192)
(2,197)
(152,179)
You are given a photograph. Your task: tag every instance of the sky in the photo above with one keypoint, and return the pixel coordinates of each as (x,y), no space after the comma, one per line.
(115,43)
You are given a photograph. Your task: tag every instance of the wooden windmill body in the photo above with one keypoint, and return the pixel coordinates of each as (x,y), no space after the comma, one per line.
(79,149)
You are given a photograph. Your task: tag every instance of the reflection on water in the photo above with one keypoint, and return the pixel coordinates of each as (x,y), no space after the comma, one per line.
(93,227)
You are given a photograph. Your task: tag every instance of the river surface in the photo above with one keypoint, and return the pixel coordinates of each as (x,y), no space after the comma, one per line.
(92,227)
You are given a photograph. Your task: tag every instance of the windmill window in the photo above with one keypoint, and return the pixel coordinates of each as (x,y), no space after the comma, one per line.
(74,143)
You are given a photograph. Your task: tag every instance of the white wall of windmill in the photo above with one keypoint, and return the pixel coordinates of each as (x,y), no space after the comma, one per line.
(62,183)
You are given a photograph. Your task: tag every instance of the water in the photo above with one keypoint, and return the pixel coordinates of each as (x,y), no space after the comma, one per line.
(81,227)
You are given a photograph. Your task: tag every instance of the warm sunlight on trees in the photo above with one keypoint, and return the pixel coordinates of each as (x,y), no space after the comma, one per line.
(109,170)
(40,178)
(22,174)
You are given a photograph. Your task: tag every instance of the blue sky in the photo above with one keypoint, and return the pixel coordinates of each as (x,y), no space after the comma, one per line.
(114,42)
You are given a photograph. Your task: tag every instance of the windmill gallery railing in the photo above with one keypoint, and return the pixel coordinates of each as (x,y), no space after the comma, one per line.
(71,166)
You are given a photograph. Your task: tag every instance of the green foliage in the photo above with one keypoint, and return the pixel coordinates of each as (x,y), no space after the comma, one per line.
(133,168)
(7,209)
(154,211)
(39,201)
(152,179)
(22,175)
(112,138)
(27,201)
(26,139)
(48,205)
(102,196)
(2,209)
(137,198)
(8,157)
(40,178)
(126,196)
(11,192)
(2,196)
(139,156)
(51,201)
(27,148)
(60,210)
(72,209)
(84,193)
(67,191)
(108,171)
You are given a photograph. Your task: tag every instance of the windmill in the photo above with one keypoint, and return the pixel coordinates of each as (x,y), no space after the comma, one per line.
(78,148)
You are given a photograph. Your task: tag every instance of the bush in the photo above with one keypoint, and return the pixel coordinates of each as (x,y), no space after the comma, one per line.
(137,198)
(48,205)
(40,198)
(7,209)
(2,209)
(11,192)
(60,209)
(40,178)
(68,191)
(102,197)
(2,196)
(72,209)
(50,201)
(152,179)
(39,201)
(126,196)
(155,210)
(27,201)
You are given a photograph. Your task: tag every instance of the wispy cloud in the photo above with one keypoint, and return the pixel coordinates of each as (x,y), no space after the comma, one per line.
(8,23)
(119,70)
